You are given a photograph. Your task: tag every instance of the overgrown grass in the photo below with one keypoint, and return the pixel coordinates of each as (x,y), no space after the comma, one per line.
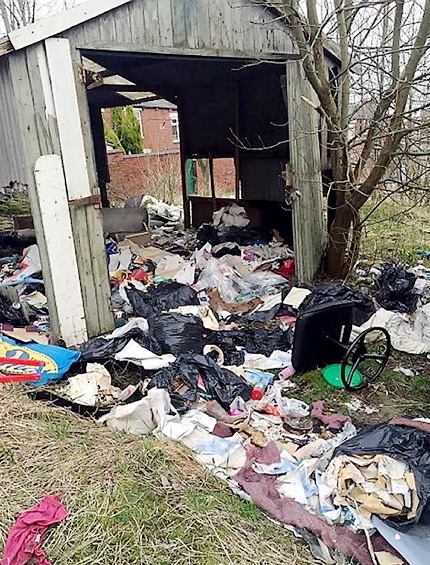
(393,394)
(391,233)
(131,500)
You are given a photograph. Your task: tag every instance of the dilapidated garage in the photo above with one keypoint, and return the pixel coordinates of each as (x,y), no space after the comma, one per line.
(232,69)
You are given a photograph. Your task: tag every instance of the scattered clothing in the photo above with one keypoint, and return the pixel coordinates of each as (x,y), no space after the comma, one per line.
(24,543)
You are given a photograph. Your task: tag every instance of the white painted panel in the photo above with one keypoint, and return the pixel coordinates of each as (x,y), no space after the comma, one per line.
(57,230)
(68,117)
(63,21)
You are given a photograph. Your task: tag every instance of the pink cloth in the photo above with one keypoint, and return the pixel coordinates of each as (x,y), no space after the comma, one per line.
(24,542)
(333,421)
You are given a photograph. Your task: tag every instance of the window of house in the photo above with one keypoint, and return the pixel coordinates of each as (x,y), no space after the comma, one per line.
(138,114)
(174,120)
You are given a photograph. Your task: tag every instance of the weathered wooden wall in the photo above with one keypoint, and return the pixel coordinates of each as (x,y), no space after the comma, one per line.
(308,212)
(38,120)
(12,167)
(217,27)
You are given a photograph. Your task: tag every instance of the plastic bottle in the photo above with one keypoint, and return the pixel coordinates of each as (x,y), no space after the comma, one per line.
(258,391)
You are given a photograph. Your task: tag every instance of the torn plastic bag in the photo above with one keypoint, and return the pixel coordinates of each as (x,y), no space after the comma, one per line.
(164,297)
(363,310)
(396,289)
(407,444)
(208,233)
(223,249)
(226,341)
(11,315)
(177,334)
(253,340)
(221,384)
(102,349)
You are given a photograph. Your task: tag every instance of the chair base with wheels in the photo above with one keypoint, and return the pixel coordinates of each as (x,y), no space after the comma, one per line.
(322,337)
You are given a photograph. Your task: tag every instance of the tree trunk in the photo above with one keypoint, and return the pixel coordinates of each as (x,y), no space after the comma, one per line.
(338,259)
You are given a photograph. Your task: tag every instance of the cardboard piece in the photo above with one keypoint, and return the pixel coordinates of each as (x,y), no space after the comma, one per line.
(20,334)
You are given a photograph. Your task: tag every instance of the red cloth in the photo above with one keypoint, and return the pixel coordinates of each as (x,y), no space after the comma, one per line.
(24,542)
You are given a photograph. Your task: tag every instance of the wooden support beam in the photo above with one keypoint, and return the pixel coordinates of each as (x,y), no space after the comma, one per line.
(57,230)
(305,172)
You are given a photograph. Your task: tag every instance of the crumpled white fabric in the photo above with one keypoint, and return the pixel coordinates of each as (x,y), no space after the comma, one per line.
(277,360)
(195,431)
(231,216)
(142,357)
(175,268)
(143,417)
(204,312)
(410,334)
(89,388)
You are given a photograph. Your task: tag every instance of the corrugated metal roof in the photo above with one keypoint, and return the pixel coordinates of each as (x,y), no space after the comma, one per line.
(12,168)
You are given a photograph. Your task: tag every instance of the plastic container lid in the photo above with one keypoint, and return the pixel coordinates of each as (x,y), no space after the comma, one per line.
(257,394)
(332,375)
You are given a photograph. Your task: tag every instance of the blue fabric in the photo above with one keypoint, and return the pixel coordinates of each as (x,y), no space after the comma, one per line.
(23,280)
(58,360)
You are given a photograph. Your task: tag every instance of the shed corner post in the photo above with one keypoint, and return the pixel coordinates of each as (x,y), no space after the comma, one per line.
(77,153)
(308,210)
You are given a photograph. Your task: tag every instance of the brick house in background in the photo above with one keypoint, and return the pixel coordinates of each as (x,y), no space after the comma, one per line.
(158,171)
(159,125)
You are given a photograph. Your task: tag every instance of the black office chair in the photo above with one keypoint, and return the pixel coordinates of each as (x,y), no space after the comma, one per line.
(322,337)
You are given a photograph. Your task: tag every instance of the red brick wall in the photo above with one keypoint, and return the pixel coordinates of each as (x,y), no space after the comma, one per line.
(160,175)
(157,129)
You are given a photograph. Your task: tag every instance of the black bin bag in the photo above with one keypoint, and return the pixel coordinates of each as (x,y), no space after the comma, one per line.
(404,443)
(221,384)
(177,334)
(162,298)
(100,349)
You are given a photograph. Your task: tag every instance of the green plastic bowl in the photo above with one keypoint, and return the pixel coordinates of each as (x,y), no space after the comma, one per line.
(332,375)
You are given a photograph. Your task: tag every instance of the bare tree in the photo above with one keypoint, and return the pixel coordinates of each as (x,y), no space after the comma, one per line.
(372,104)
(19,13)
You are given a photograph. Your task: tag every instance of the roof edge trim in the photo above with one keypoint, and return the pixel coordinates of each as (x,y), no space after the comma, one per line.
(49,27)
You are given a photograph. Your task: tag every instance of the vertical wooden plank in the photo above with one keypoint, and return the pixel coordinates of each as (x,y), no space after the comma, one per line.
(237,26)
(107,27)
(183,155)
(64,87)
(227,23)
(68,117)
(308,222)
(88,229)
(151,22)
(204,37)
(137,22)
(32,151)
(191,22)
(122,25)
(165,22)
(178,22)
(47,130)
(91,32)
(218,34)
(57,228)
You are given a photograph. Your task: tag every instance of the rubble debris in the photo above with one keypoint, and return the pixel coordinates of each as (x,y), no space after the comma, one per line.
(212,345)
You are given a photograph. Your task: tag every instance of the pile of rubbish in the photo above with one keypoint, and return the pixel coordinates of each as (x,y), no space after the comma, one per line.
(23,304)
(205,328)
(160,214)
(403,299)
